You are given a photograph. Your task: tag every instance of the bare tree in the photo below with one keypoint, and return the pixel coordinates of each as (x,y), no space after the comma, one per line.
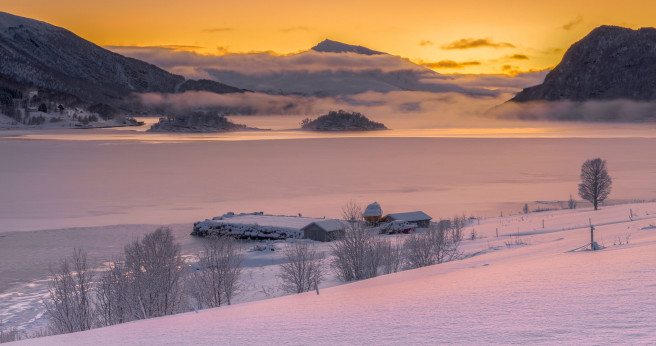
(154,267)
(356,255)
(436,245)
(69,303)
(595,182)
(303,270)
(112,294)
(9,334)
(215,280)
(391,256)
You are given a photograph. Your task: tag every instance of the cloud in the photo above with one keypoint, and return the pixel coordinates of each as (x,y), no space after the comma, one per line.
(399,109)
(215,30)
(468,43)
(449,64)
(262,63)
(426,43)
(503,83)
(294,28)
(573,23)
(518,57)
(613,110)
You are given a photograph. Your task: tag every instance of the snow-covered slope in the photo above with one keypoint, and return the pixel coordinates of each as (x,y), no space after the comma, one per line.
(54,58)
(532,288)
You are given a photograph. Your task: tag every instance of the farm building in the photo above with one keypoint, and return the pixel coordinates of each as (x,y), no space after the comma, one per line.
(324,230)
(418,218)
(257,226)
(373,213)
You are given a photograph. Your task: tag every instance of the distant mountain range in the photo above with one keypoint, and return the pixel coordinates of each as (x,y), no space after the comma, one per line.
(37,54)
(609,63)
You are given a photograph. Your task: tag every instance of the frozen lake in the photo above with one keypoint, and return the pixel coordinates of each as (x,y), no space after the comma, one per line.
(80,178)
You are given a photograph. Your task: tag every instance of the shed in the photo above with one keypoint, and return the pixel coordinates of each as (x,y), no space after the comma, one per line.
(324,230)
(418,218)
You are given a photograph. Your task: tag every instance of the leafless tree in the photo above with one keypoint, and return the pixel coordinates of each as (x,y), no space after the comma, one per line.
(391,256)
(68,303)
(303,269)
(154,268)
(356,254)
(112,295)
(9,334)
(216,278)
(436,245)
(595,181)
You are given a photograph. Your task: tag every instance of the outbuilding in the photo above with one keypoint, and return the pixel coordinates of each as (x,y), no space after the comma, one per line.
(418,218)
(324,230)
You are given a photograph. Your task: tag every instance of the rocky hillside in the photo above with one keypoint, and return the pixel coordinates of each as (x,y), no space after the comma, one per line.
(45,56)
(609,63)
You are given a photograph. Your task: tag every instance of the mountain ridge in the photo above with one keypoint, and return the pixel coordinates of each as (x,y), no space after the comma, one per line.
(609,63)
(54,58)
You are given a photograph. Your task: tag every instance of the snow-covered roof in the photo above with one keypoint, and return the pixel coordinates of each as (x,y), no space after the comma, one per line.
(329,225)
(373,209)
(295,222)
(410,216)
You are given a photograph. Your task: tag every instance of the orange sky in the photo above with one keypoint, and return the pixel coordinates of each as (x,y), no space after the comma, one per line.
(508,35)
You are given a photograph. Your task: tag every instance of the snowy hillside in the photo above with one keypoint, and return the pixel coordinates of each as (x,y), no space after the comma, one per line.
(527,285)
(54,58)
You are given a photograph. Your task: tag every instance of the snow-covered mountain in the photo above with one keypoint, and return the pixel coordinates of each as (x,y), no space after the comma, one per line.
(42,55)
(330,46)
(331,68)
(328,69)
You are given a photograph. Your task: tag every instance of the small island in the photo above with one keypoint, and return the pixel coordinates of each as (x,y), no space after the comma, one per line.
(341,121)
(197,122)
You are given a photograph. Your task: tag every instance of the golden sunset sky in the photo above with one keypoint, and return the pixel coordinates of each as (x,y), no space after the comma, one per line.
(449,36)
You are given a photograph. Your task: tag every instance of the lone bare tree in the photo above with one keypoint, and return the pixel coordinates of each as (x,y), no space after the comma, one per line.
(303,270)
(69,295)
(595,182)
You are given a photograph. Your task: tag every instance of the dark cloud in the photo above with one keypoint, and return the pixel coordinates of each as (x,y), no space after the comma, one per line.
(214,30)
(449,64)
(573,23)
(468,43)
(518,57)
(294,28)
(426,43)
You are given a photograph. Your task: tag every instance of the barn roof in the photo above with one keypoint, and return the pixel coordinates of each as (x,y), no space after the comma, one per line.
(373,209)
(329,225)
(412,216)
(281,221)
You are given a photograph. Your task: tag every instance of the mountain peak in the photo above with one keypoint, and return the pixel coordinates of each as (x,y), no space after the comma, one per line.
(610,62)
(330,46)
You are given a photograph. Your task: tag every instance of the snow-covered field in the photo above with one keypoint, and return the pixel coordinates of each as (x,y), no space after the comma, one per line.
(528,285)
